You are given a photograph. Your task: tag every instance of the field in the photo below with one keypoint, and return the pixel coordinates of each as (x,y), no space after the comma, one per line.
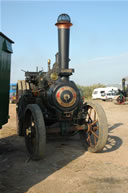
(67,166)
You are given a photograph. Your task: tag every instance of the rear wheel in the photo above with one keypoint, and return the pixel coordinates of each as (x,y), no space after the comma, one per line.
(95,136)
(35,132)
(22,86)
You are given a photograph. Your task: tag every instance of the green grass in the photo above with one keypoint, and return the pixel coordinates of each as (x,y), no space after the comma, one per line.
(87,90)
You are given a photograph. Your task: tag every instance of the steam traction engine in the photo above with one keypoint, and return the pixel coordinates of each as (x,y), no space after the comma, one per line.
(49,103)
(122,95)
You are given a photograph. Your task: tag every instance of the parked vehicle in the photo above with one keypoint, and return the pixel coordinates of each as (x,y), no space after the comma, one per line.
(98,93)
(13,93)
(5,66)
(122,96)
(111,94)
(104,93)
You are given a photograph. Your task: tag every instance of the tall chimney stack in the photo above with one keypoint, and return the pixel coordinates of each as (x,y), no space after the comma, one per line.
(63,24)
(123,85)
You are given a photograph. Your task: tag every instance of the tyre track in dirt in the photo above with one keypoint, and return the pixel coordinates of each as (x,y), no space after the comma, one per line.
(67,167)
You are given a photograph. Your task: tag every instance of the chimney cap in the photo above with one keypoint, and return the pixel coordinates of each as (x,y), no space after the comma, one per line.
(63,18)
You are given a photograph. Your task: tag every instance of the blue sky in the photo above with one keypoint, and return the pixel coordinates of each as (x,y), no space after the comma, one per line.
(98,39)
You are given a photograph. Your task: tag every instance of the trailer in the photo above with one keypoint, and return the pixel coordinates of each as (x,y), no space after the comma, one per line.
(104,94)
(5,66)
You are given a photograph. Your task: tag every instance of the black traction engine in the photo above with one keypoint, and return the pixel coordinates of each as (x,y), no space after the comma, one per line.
(49,103)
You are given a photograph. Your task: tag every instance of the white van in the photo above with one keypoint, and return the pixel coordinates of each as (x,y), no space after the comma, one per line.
(104,93)
(98,93)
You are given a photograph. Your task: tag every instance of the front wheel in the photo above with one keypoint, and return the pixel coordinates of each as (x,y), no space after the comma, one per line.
(35,133)
(95,136)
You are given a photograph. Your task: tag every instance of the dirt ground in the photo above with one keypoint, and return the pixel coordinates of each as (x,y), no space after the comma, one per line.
(67,166)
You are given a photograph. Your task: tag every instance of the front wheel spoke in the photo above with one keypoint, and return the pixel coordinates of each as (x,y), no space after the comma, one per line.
(89,119)
(94,134)
(90,111)
(95,128)
(89,114)
(89,140)
(93,123)
(94,115)
(95,140)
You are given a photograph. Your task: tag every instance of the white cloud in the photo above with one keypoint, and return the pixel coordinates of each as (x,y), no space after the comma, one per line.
(123,56)
(106,70)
